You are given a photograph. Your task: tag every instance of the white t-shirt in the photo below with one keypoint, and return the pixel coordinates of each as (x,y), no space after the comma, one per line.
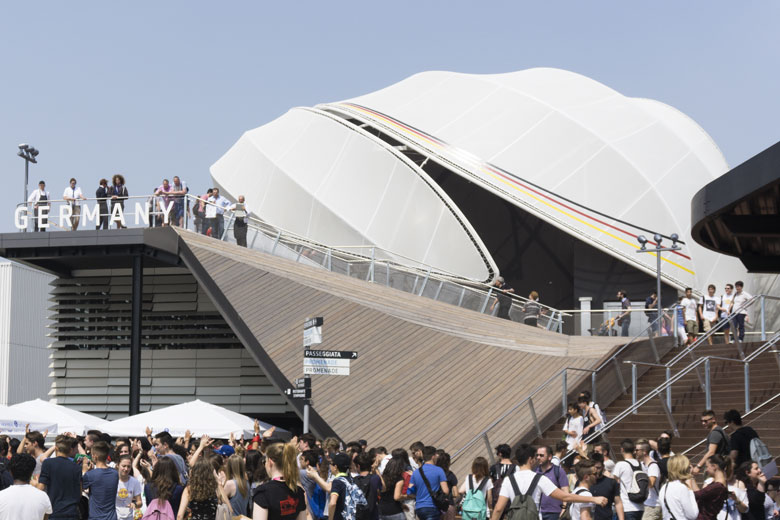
(464,488)
(709,307)
(725,302)
(124,496)
(680,499)
(769,507)
(23,502)
(524,479)
(739,301)
(625,475)
(689,304)
(576,508)
(574,424)
(653,470)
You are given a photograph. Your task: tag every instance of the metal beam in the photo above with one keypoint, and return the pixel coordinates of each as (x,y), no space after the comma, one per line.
(135,335)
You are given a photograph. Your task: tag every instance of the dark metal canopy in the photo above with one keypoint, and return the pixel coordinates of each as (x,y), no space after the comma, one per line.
(737,213)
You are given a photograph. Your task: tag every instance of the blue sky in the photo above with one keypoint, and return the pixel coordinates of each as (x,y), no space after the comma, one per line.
(156,89)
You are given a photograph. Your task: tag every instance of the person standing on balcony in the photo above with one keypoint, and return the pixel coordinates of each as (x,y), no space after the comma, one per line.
(39,199)
(241,220)
(726,299)
(215,212)
(624,320)
(739,311)
(651,311)
(502,299)
(118,194)
(691,319)
(717,440)
(73,196)
(179,190)
(101,194)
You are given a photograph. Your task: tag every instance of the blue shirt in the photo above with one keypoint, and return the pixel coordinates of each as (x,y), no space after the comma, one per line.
(435,476)
(559,478)
(102,484)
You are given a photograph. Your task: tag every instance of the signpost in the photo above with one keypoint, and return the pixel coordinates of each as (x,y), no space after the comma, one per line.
(317,362)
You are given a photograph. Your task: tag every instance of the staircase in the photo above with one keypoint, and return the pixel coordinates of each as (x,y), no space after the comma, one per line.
(688,399)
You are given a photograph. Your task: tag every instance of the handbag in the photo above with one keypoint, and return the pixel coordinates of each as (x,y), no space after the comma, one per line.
(440,499)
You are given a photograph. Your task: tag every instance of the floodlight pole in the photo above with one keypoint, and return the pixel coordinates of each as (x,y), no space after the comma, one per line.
(28,153)
(658,249)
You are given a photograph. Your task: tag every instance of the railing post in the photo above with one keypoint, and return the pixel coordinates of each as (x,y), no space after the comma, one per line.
(593,387)
(652,346)
(747,387)
(330,260)
(371,269)
(533,416)
(186,212)
(438,290)
(669,416)
(763,320)
(489,448)
(674,326)
(707,382)
(425,282)
(564,393)
(276,241)
(669,388)
(387,273)
(633,386)
(487,299)
(619,375)
(462,295)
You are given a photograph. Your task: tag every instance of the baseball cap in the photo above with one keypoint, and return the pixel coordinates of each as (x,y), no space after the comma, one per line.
(341,461)
(225,450)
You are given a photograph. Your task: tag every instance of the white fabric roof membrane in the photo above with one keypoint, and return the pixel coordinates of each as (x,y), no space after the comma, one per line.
(197,416)
(630,163)
(317,176)
(67,420)
(14,422)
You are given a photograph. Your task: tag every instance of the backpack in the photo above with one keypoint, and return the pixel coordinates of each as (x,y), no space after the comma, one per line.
(353,497)
(725,451)
(759,452)
(474,505)
(497,485)
(640,484)
(363,511)
(157,510)
(566,515)
(317,502)
(523,507)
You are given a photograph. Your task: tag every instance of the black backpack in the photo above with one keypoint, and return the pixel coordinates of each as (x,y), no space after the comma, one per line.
(497,485)
(363,512)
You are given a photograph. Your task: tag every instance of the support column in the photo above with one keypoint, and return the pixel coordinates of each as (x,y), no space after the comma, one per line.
(135,335)
(585,303)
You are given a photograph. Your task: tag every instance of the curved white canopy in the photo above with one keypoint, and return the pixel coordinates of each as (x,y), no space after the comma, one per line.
(14,422)
(67,420)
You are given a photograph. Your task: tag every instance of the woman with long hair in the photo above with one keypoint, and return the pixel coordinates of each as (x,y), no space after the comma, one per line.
(164,483)
(202,494)
(712,497)
(236,485)
(390,506)
(443,461)
(281,498)
(676,496)
(479,478)
(755,481)
(737,503)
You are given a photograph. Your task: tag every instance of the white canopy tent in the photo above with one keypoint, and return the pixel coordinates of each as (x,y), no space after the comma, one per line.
(199,417)
(13,422)
(67,420)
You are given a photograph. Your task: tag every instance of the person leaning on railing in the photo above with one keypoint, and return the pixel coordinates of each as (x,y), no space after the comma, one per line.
(118,193)
(102,196)
(39,199)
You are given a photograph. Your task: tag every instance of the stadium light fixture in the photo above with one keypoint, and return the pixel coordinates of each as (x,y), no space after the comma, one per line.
(29,154)
(658,249)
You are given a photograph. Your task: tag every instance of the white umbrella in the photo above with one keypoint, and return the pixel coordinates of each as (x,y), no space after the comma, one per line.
(67,420)
(197,416)
(13,422)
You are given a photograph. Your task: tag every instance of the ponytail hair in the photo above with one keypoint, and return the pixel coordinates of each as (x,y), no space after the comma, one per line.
(285,457)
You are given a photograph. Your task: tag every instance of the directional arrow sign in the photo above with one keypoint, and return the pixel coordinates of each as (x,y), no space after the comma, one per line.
(319,362)
(313,322)
(326,371)
(330,354)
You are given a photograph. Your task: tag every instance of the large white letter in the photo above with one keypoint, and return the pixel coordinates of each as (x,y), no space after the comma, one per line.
(65,218)
(20,217)
(141,213)
(167,213)
(43,217)
(91,216)
(117,215)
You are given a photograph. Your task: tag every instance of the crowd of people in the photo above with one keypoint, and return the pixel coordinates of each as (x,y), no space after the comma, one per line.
(98,477)
(168,204)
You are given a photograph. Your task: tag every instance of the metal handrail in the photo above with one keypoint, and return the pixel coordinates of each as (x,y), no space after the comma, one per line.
(747,414)
(656,392)
(528,399)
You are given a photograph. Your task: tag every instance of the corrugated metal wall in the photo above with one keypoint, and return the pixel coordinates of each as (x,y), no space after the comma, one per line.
(24,356)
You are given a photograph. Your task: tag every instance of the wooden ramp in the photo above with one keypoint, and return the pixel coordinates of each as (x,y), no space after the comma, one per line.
(426,370)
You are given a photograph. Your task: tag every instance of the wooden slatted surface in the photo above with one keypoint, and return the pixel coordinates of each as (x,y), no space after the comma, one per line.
(426,370)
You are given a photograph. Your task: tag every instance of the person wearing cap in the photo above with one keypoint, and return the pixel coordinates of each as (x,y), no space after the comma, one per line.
(225,450)
(39,199)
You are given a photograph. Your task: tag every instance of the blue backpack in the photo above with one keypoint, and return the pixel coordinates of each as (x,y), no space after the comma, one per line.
(353,497)
(474,506)
(317,502)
